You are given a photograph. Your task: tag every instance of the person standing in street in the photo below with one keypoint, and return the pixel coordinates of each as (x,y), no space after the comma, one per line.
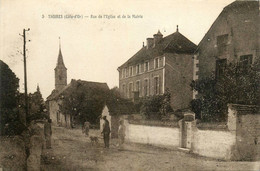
(48,133)
(85,128)
(106,132)
(121,133)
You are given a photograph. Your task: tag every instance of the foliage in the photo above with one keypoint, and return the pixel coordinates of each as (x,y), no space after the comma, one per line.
(118,105)
(238,84)
(9,118)
(154,107)
(83,103)
(37,108)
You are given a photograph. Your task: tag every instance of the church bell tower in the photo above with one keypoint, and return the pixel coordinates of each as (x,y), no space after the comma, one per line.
(60,72)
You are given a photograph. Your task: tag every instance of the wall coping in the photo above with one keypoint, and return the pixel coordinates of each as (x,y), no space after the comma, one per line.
(245,109)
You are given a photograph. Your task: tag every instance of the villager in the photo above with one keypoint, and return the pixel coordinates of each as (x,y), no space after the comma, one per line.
(48,133)
(86,128)
(121,133)
(106,132)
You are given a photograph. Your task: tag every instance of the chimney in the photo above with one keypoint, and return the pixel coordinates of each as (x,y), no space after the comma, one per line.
(149,42)
(157,37)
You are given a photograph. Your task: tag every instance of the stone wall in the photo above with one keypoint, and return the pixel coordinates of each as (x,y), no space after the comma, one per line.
(244,122)
(159,136)
(211,143)
(239,141)
(37,142)
(178,77)
(241,24)
(12,153)
(23,152)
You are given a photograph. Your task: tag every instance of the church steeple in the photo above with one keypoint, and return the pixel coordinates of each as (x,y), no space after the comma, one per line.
(60,57)
(60,72)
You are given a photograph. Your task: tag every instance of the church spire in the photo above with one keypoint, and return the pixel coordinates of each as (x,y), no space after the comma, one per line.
(60,72)
(60,57)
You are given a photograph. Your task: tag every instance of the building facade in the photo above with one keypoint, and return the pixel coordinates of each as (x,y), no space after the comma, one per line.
(234,37)
(164,63)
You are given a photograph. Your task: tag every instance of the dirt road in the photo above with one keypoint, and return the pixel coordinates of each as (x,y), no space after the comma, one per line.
(71,150)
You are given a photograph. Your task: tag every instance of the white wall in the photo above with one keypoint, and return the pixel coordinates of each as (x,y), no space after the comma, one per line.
(212,143)
(105,112)
(160,136)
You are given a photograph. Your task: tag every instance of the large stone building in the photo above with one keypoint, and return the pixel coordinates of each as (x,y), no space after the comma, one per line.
(164,63)
(234,37)
(86,88)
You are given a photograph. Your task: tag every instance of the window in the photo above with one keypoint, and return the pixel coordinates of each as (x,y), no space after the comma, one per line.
(156,63)
(246,60)
(146,87)
(222,42)
(137,86)
(156,85)
(138,68)
(123,90)
(146,66)
(122,73)
(126,72)
(130,90)
(220,67)
(130,71)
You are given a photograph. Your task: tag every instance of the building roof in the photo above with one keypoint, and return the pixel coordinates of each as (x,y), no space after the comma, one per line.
(173,43)
(75,84)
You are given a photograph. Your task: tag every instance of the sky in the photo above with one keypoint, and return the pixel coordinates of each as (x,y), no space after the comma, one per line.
(92,47)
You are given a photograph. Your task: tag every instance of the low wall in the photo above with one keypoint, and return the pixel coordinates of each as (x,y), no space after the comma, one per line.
(160,136)
(211,143)
(244,120)
(12,153)
(37,141)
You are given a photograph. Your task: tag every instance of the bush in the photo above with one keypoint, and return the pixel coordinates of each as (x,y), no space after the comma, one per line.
(155,107)
(238,84)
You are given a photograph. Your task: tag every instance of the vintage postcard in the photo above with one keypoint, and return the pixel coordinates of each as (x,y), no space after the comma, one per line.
(129,85)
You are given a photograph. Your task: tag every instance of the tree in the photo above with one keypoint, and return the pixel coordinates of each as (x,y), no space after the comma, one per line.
(83,103)
(9,118)
(36,106)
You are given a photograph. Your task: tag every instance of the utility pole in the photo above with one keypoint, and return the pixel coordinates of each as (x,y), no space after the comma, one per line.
(25,75)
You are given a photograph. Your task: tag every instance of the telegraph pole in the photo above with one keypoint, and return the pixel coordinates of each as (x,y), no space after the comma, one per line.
(25,75)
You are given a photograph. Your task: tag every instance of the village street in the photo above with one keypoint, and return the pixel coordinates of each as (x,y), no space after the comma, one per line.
(71,150)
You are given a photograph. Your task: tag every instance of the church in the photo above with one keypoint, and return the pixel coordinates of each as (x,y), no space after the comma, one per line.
(88,90)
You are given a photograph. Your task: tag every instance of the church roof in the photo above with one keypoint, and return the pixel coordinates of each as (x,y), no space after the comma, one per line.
(78,84)
(173,43)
